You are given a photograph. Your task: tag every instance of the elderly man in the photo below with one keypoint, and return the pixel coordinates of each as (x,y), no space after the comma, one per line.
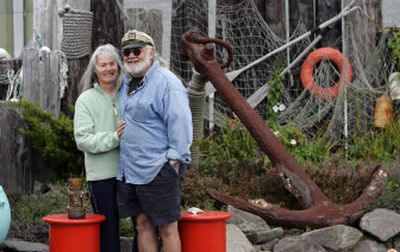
(155,146)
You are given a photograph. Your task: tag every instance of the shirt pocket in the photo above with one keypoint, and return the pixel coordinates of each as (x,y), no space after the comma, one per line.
(143,112)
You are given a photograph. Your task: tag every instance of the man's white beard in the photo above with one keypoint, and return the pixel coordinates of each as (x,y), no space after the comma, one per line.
(139,67)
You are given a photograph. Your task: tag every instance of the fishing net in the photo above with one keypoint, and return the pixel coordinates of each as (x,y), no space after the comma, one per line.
(241,25)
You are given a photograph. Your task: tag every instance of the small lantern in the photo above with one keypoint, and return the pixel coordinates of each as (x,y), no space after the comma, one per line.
(76,197)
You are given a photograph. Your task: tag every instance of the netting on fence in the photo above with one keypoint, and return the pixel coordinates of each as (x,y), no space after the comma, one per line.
(242,26)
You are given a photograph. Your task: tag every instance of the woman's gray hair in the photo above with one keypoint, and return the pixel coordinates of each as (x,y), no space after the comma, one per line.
(89,76)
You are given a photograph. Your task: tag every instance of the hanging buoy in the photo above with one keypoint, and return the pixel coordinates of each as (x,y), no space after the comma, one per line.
(5,215)
(383,111)
(307,72)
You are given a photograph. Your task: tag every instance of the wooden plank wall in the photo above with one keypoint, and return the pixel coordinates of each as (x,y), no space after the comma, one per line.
(41,80)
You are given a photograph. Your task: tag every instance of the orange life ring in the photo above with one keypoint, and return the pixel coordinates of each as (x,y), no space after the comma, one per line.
(307,72)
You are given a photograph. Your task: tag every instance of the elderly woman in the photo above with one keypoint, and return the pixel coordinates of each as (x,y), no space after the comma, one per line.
(97,130)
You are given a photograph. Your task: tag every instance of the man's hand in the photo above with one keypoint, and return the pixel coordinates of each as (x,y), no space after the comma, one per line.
(175,164)
(120,128)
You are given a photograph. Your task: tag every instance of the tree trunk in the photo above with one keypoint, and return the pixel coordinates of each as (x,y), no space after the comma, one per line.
(108,23)
(15,152)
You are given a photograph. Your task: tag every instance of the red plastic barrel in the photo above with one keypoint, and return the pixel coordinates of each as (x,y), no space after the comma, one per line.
(74,235)
(203,232)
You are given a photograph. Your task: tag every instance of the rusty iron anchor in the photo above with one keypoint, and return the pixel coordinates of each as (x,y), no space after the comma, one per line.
(318,209)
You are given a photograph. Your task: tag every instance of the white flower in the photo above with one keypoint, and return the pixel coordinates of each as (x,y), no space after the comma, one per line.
(281,107)
(293,142)
(276,133)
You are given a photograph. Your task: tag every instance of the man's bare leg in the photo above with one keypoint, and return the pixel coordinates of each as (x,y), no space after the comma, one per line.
(147,240)
(170,237)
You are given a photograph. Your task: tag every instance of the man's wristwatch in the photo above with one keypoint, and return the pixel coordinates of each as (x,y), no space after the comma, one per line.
(175,164)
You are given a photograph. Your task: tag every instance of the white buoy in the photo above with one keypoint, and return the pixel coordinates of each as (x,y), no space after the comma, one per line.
(5,215)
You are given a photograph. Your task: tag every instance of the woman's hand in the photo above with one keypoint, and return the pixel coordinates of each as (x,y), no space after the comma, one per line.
(120,128)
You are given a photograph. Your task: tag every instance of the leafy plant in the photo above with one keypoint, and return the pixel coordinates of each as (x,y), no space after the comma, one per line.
(390,198)
(53,138)
(394,44)
(300,147)
(126,227)
(275,92)
(29,209)
(233,149)
(194,190)
(377,144)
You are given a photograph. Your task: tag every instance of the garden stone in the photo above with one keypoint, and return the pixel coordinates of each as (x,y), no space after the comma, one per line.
(269,245)
(24,246)
(236,241)
(244,218)
(370,246)
(339,237)
(297,244)
(263,236)
(381,223)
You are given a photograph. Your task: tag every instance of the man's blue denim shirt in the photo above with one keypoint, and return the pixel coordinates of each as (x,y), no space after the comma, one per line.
(158,125)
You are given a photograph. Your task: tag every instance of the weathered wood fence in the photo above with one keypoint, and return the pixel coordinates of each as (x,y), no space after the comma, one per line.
(44,78)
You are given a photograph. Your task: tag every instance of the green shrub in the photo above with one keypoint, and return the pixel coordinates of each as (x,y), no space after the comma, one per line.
(29,209)
(377,144)
(194,190)
(231,150)
(394,45)
(53,138)
(390,198)
(126,227)
(305,151)
(275,83)
(341,180)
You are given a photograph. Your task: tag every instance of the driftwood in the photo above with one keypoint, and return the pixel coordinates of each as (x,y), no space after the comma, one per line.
(319,210)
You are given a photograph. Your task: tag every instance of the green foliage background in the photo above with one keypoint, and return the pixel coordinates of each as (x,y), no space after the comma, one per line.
(53,138)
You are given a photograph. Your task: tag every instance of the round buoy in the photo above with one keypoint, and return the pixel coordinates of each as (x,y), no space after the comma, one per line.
(307,72)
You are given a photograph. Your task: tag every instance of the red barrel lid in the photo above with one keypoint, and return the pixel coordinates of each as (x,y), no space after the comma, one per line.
(206,215)
(63,219)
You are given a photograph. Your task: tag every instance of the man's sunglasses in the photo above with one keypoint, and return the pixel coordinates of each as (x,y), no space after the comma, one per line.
(136,51)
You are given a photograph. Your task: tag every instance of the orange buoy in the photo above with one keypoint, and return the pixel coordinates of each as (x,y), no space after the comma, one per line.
(307,72)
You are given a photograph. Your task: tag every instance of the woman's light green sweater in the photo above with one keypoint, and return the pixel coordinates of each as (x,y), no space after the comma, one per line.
(95,123)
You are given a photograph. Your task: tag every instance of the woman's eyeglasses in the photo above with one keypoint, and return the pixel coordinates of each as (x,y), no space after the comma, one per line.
(136,51)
